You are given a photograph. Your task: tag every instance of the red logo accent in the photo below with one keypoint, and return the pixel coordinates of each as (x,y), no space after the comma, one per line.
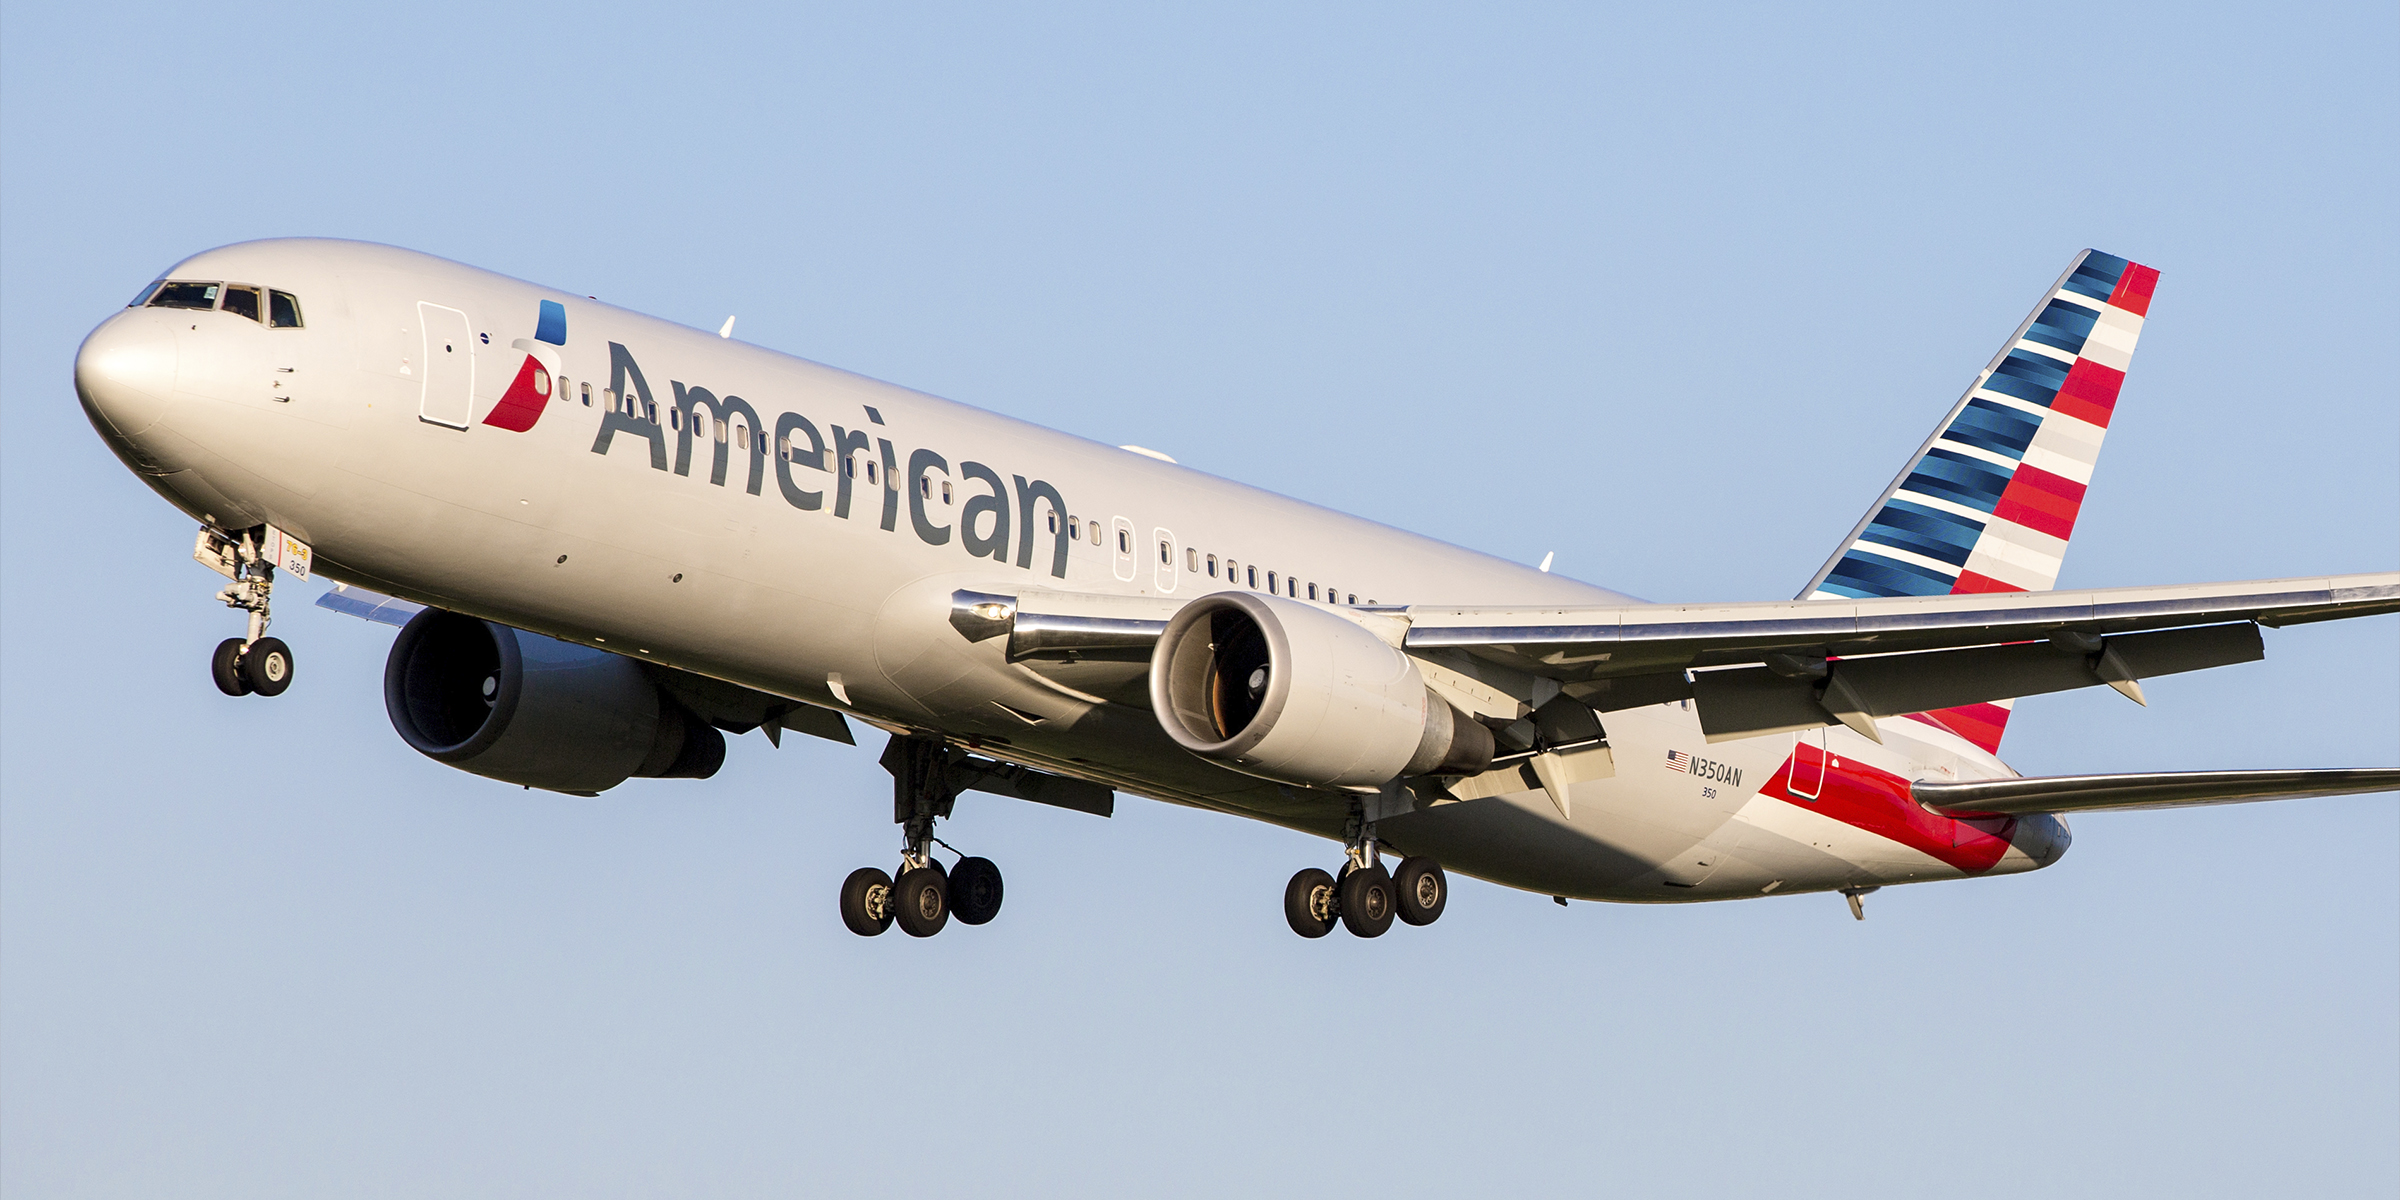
(521,405)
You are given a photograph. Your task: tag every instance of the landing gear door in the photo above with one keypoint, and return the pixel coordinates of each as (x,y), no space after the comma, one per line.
(1807,778)
(449,358)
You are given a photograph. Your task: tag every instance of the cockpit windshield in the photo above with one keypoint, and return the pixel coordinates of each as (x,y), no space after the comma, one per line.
(241,301)
(178,294)
(280,310)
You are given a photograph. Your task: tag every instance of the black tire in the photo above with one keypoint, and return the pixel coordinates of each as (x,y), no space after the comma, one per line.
(1309,903)
(1420,890)
(267,666)
(975,890)
(1367,902)
(921,902)
(867,901)
(225,667)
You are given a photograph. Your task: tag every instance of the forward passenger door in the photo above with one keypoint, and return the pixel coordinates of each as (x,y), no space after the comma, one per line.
(449,358)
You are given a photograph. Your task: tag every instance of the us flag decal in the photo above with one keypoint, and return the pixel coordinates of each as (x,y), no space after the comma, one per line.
(1677,760)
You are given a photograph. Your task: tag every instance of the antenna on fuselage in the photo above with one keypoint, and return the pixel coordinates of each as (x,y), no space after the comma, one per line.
(726,330)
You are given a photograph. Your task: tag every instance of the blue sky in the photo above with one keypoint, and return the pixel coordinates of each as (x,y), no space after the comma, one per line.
(1671,294)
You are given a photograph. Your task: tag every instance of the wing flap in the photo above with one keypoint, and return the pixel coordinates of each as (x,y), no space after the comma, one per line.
(2165,789)
(1748,701)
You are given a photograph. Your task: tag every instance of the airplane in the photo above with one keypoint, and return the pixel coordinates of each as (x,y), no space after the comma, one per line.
(609,540)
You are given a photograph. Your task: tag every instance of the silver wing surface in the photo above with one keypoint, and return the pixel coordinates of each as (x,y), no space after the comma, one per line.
(1758,668)
(2163,789)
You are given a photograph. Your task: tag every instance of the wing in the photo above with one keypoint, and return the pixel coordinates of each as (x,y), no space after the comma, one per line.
(2165,789)
(1760,668)
(1765,667)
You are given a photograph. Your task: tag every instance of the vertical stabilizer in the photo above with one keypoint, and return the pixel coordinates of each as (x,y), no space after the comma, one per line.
(1989,502)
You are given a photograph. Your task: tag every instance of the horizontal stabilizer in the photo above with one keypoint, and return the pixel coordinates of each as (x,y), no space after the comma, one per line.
(2160,789)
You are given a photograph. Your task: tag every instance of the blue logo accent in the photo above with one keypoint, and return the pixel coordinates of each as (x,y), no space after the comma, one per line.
(553,326)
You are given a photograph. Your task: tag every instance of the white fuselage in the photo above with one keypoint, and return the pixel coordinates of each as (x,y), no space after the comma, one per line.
(605,523)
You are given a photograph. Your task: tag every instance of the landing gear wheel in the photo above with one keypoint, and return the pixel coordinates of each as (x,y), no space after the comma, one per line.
(225,667)
(267,666)
(921,902)
(975,890)
(867,901)
(1367,902)
(1419,889)
(1308,903)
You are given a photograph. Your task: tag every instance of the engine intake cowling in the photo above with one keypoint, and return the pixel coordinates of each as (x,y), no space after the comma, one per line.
(1286,691)
(519,707)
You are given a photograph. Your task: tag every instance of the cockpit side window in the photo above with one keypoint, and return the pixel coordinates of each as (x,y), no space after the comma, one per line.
(241,301)
(179,294)
(283,310)
(144,296)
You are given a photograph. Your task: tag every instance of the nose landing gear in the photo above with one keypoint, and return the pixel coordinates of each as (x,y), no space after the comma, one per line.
(253,663)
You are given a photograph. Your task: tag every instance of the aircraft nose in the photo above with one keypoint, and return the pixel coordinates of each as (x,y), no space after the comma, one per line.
(125,372)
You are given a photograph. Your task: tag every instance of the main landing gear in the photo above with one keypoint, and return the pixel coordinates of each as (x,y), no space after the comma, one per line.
(1365,897)
(254,662)
(924,896)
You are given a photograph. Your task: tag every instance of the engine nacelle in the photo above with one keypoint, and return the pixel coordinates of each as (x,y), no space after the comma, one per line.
(1285,691)
(526,709)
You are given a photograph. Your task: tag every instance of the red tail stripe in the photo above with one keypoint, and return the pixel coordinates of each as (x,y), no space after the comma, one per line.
(1877,801)
(2134,289)
(1981,724)
(2037,499)
(2090,392)
(1969,582)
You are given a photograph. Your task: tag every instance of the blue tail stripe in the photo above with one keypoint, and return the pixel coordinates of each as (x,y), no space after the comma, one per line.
(1880,576)
(1949,475)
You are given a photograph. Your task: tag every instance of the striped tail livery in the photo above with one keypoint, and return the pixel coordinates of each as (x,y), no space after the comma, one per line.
(1989,502)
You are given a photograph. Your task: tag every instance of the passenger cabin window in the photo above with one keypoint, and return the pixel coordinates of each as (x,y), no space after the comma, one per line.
(1254,577)
(185,295)
(283,312)
(587,395)
(1125,541)
(1166,554)
(1095,533)
(1312,591)
(1212,566)
(1050,520)
(1295,588)
(1271,582)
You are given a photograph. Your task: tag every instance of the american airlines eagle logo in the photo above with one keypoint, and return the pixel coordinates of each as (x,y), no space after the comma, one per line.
(529,393)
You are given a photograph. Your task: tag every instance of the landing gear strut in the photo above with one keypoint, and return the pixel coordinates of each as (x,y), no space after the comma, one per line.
(1365,898)
(927,775)
(253,662)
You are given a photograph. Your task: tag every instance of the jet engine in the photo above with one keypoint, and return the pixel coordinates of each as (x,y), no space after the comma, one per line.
(1290,692)
(522,708)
